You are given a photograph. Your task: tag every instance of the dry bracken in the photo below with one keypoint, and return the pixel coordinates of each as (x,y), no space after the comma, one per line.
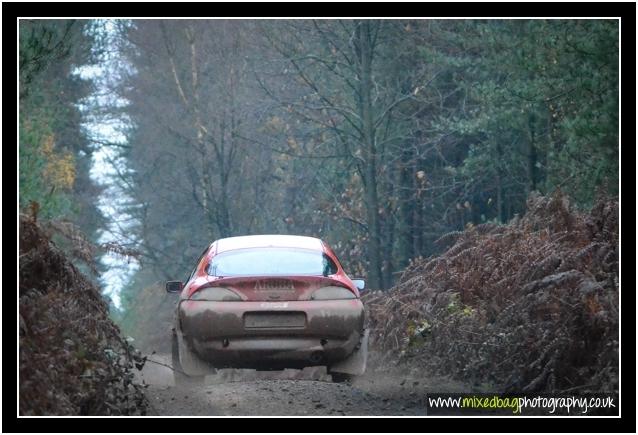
(531,306)
(73,359)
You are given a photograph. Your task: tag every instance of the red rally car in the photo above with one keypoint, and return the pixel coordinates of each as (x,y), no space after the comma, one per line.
(268,302)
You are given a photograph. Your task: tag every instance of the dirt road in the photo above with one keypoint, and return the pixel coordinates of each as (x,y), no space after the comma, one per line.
(290,392)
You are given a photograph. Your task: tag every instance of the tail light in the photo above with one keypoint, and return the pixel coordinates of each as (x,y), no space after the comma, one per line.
(215,294)
(333,292)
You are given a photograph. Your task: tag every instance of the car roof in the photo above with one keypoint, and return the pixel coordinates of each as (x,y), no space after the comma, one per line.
(269,240)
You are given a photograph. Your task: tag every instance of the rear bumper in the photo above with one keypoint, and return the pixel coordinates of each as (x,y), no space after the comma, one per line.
(321,333)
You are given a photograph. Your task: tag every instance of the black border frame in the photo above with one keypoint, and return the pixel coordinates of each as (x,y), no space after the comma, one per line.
(625,10)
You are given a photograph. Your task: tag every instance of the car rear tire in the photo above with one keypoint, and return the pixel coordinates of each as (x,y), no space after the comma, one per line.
(181,378)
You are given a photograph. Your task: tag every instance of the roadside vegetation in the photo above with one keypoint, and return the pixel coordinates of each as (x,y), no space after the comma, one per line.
(73,358)
(528,306)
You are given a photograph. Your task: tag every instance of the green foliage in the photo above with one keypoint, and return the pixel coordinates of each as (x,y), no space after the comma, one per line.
(53,151)
(42,42)
(415,335)
(45,176)
(540,106)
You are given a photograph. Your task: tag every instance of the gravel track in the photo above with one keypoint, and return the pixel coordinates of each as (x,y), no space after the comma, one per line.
(308,392)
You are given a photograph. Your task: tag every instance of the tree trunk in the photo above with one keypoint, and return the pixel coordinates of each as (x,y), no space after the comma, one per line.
(405,248)
(369,148)
(200,132)
(532,157)
(499,184)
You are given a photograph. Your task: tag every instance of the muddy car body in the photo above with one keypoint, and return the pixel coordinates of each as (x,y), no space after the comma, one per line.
(269,302)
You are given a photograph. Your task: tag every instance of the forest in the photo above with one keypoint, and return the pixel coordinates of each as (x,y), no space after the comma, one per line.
(146,140)
(378,136)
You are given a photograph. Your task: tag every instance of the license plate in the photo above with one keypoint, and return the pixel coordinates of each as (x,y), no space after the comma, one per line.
(274,320)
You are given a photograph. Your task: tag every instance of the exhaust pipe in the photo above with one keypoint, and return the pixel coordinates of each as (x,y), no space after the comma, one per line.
(316,357)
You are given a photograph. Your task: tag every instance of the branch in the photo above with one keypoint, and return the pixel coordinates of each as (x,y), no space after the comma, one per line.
(169,50)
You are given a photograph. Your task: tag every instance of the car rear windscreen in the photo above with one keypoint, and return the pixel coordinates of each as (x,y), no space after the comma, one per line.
(271,261)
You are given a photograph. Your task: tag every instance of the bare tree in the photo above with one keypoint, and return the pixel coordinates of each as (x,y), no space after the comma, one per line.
(348,93)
